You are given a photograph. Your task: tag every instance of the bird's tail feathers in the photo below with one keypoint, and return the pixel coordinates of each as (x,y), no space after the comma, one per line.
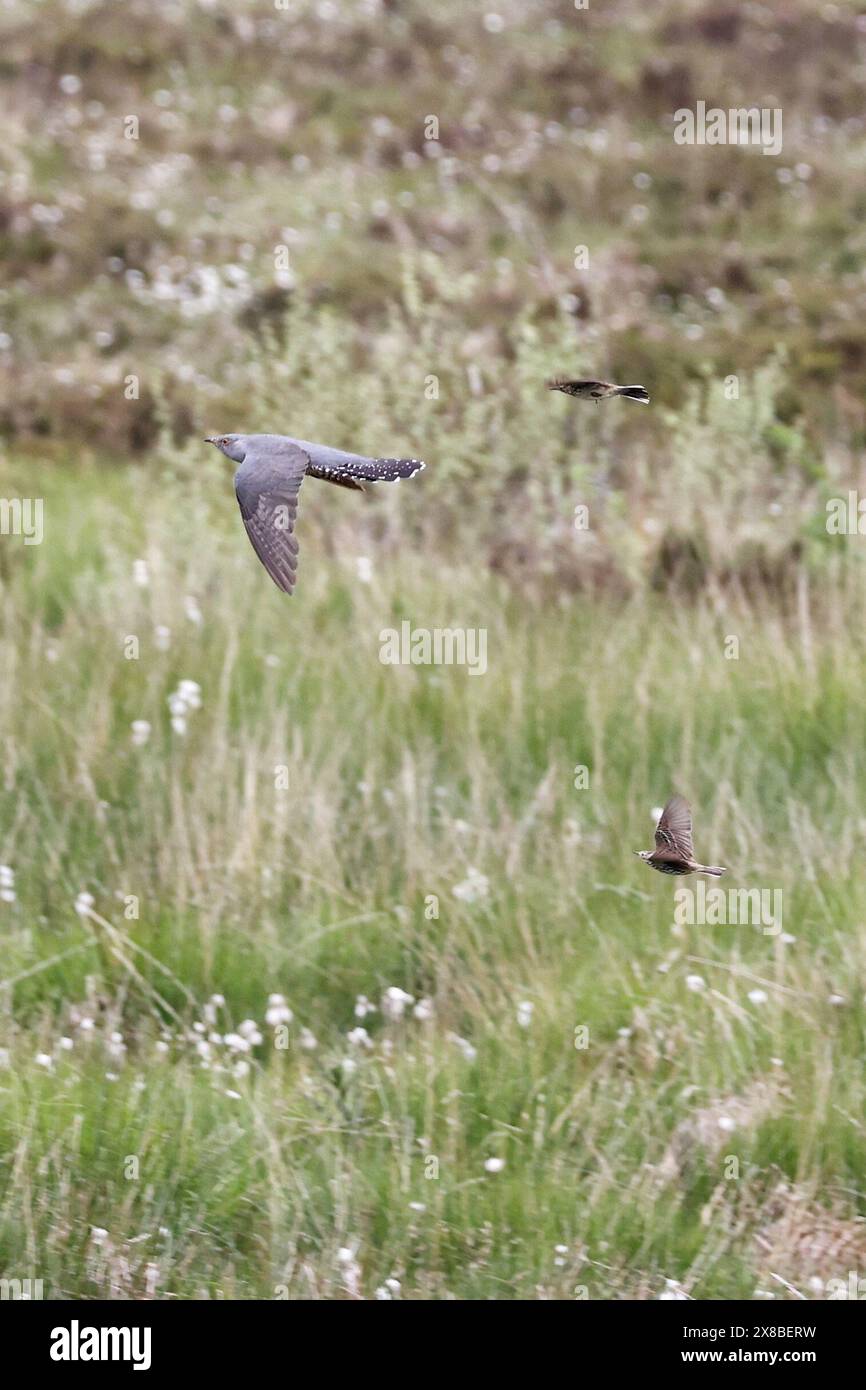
(634,393)
(384,470)
(710,869)
(354,472)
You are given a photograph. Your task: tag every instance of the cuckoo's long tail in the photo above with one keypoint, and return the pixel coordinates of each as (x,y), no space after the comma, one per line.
(354,472)
(710,869)
(634,393)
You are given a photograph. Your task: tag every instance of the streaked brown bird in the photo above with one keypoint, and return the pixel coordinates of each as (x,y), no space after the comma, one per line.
(272,468)
(673,853)
(598,390)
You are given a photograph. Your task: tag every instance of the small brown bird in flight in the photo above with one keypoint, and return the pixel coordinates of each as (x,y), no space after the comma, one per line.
(598,390)
(673,853)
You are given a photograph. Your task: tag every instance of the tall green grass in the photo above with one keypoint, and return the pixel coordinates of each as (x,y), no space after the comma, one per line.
(148,1165)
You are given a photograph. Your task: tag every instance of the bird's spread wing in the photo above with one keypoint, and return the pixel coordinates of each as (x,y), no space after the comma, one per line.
(674,830)
(266,486)
(574,388)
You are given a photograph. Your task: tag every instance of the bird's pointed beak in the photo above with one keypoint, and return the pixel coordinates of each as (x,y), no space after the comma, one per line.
(209,440)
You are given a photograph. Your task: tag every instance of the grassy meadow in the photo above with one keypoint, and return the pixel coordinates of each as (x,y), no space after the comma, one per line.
(323,978)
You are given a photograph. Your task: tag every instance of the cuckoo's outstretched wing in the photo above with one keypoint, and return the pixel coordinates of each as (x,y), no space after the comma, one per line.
(267,486)
(674,830)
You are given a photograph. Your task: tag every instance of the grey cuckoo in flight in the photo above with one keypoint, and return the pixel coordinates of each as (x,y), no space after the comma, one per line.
(267,483)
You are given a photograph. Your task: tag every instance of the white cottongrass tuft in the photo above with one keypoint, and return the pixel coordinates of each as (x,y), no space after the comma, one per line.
(395,1001)
(469,1052)
(474,887)
(389,1290)
(494,1165)
(350,1270)
(190,691)
(187,697)
(209,1011)
(7,884)
(140,732)
(277,1011)
(192,610)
